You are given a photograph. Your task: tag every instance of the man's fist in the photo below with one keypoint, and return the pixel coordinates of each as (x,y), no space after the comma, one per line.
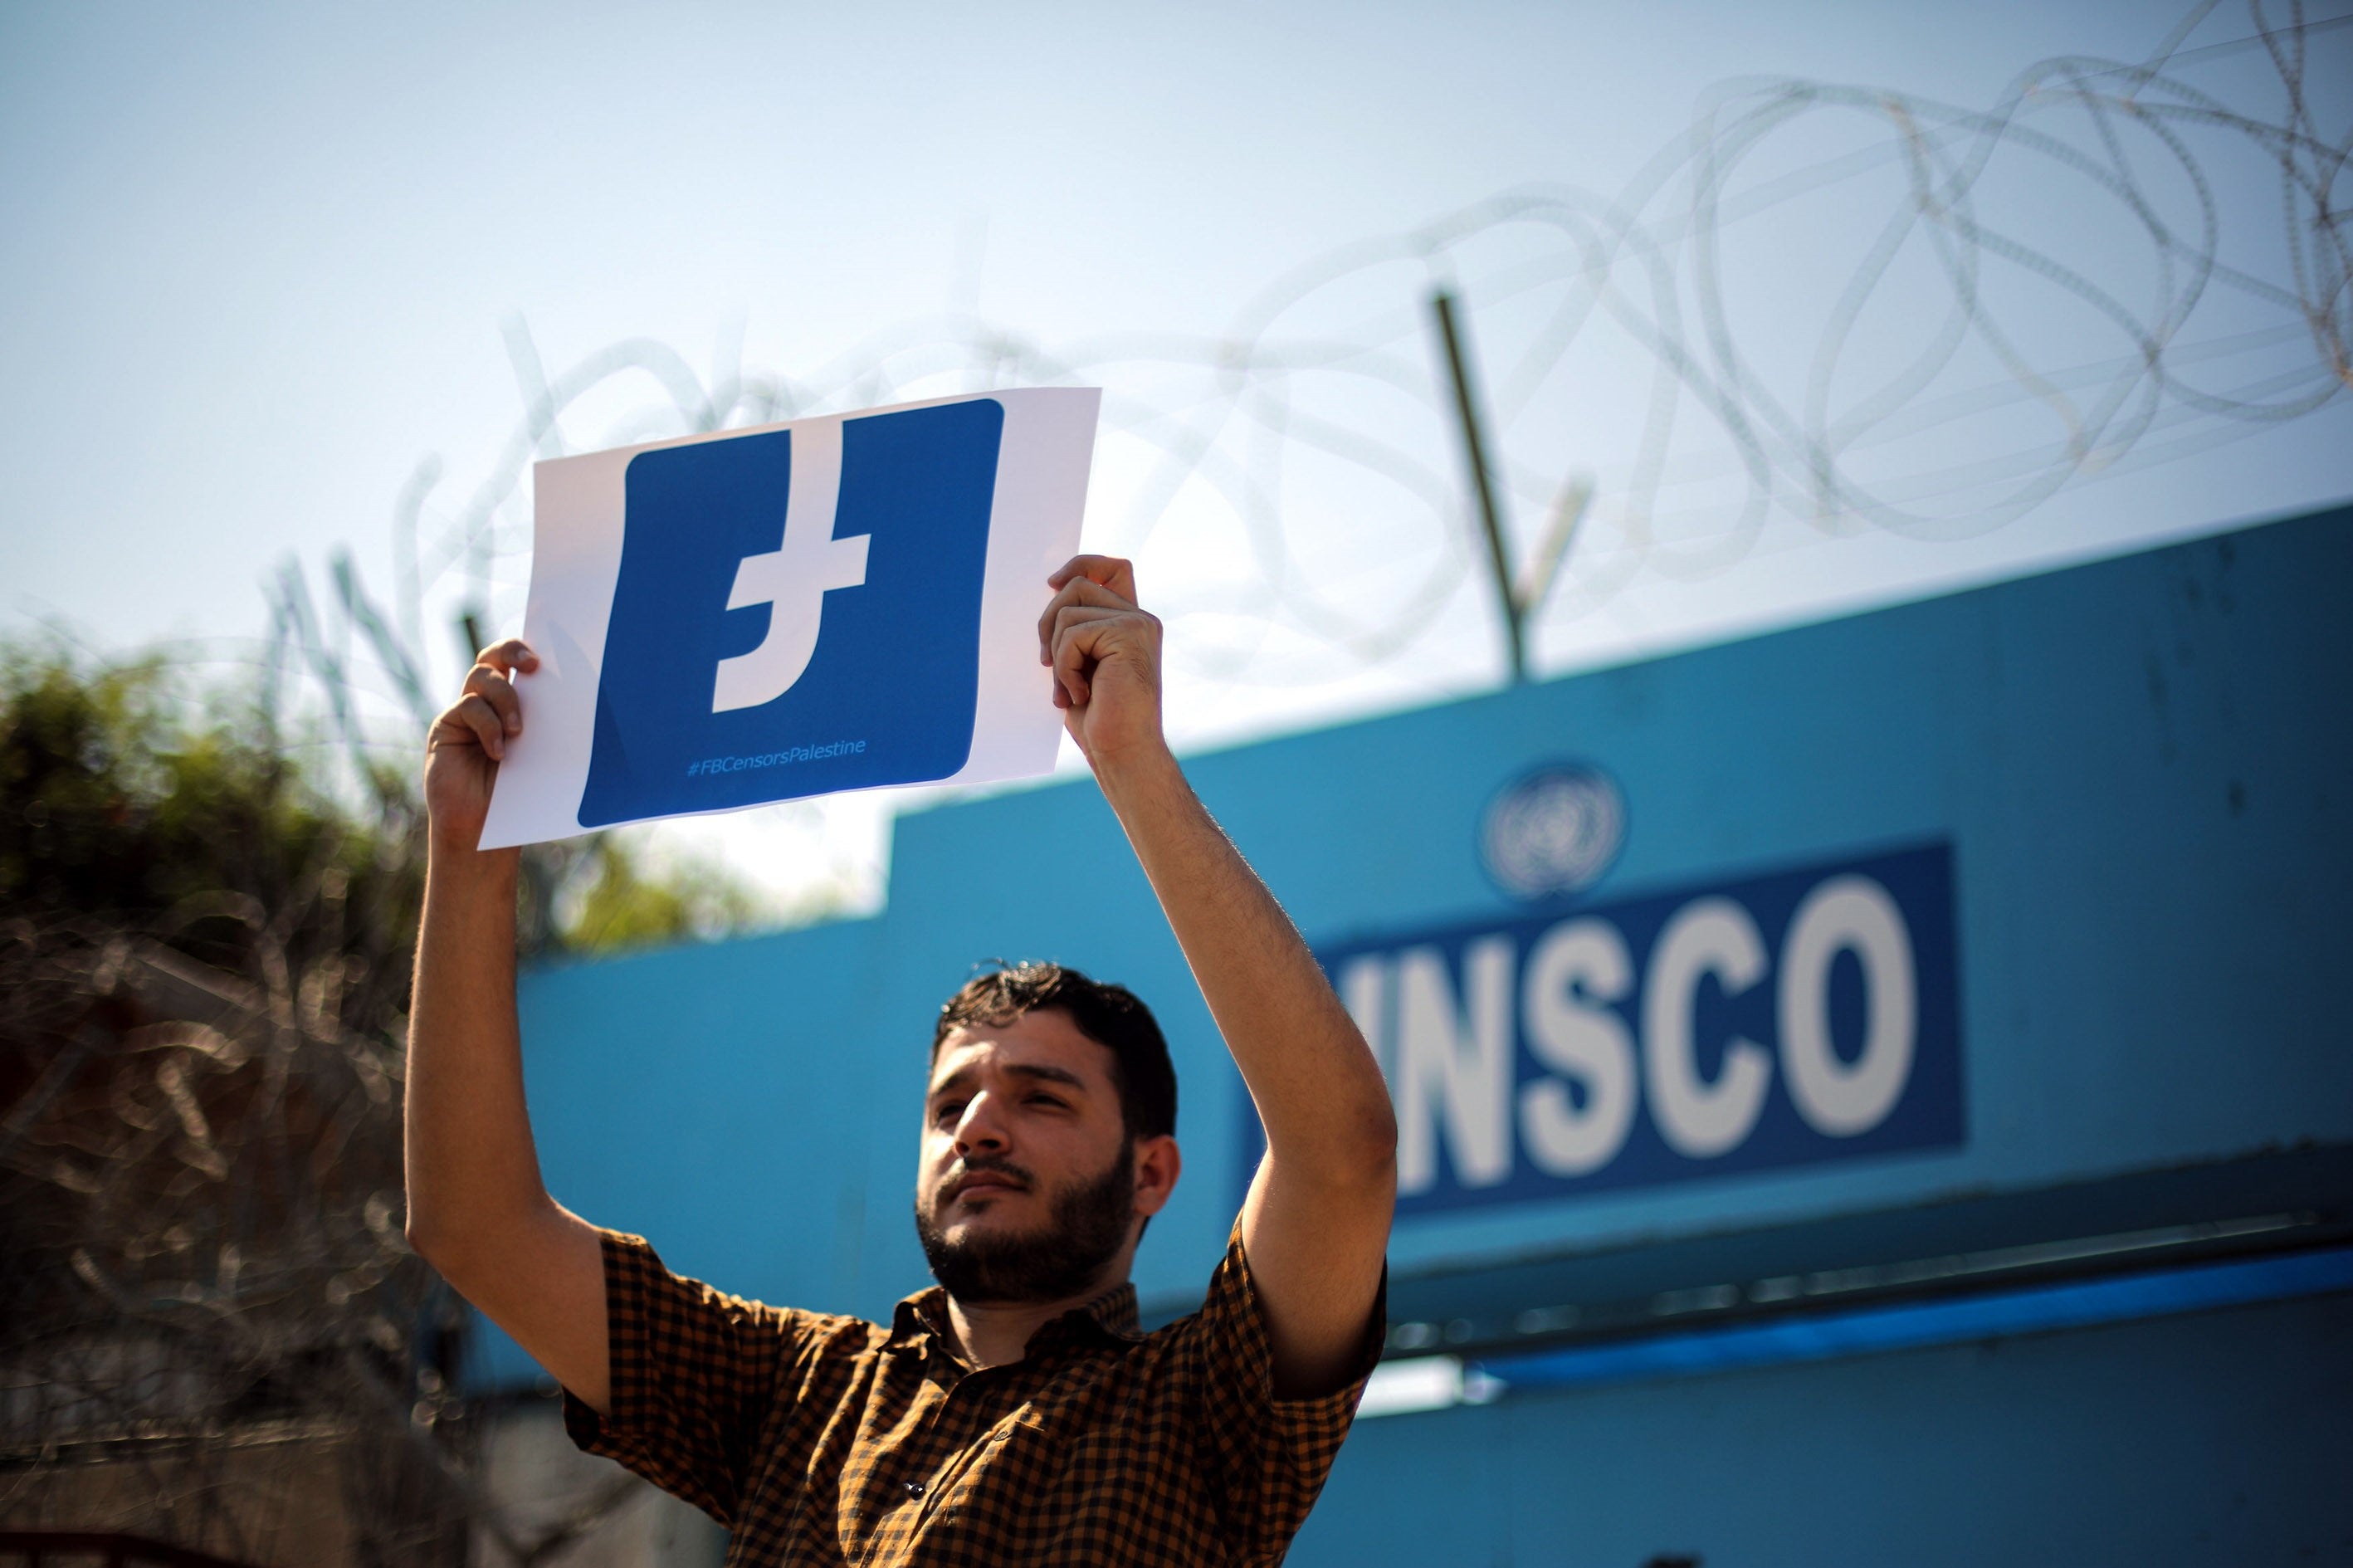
(1106,655)
(465,745)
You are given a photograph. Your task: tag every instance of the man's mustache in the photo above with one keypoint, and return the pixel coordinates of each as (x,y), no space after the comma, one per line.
(992,1164)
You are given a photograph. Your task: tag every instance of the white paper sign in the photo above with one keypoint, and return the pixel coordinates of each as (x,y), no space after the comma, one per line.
(843,602)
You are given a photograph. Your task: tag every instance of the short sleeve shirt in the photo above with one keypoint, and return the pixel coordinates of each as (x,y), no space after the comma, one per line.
(819,1440)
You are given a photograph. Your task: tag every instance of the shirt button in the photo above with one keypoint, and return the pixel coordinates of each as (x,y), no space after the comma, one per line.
(914,1488)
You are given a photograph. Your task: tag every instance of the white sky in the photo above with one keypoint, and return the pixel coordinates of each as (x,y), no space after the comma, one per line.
(255,263)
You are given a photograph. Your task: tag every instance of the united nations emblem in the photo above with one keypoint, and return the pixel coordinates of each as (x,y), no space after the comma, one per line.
(1555,831)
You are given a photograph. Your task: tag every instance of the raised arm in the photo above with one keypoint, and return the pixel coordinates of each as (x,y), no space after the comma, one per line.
(478,1210)
(1315,1224)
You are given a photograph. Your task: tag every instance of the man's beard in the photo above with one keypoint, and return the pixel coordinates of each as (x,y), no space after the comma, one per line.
(1089,1227)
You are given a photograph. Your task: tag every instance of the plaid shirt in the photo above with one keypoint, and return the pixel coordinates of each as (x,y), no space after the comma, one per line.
(819,1439)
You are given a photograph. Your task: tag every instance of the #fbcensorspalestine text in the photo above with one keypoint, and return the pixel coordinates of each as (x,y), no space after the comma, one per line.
(713,764)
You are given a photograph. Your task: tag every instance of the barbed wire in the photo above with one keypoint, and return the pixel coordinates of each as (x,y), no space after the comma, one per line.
(1823,310)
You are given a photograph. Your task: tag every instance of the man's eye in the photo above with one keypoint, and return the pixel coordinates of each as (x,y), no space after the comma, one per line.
(946,1111)
(1055,1100)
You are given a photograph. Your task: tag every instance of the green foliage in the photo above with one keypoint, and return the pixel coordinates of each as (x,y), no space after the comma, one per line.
(121,802)
(617,901)
(132,796)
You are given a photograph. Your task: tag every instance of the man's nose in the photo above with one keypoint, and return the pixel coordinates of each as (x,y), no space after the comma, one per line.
(979,1128)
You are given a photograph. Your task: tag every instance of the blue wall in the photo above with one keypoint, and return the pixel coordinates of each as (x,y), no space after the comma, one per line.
(2218,1439)
(2141,768)
(2140,764)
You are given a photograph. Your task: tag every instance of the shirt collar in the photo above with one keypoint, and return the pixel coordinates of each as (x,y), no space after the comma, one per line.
(924,1316)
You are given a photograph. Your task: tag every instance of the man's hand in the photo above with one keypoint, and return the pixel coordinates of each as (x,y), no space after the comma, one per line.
(466,744)
(1106,655)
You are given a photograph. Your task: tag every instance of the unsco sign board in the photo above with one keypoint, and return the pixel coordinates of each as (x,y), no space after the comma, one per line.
(1806,1016)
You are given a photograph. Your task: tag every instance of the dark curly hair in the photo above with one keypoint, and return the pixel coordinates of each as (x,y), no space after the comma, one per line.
(1110,1015)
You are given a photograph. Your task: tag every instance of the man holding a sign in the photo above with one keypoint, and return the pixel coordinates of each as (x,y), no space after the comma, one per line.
(1014,1414)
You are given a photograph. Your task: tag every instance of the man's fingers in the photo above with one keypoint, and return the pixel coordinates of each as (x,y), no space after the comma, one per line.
(495,689)
(1077,590)
(490,711)
(1109,571)
(478,719)
(1072,615)
(1085,636)
(1073,650)
(508,656)
(1086,632)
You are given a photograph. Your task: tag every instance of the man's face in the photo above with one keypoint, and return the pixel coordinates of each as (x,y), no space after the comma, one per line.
(1028,1187)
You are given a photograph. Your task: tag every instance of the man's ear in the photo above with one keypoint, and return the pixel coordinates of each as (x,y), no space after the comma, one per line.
(1157,1166)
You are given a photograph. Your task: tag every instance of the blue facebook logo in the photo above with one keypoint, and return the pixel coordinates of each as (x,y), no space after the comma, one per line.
(797,612)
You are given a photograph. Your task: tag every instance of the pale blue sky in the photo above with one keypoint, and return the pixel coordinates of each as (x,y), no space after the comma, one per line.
(256,260)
